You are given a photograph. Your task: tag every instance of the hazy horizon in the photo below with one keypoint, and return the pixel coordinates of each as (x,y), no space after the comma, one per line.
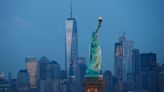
(37,28)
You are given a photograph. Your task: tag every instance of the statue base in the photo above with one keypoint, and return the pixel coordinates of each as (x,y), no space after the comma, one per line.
(93,84)
(93,76)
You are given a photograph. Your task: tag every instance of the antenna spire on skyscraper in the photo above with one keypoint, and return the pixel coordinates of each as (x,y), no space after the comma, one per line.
(71,9)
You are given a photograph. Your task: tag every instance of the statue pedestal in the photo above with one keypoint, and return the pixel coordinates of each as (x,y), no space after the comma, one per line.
(93,84)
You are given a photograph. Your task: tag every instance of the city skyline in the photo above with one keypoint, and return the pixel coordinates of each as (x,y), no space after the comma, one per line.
(32,29)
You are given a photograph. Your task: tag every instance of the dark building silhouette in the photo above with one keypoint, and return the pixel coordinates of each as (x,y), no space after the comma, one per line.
(42,68)
(131,77)
(161,82)
(42,73)
(109,81)
(148,61)
(130,82)
(51,78)
(63,75)
(162,67)
(22,82)
(53,82)
(149,71)
(135,61)
(53,70)
(9,76)
(5,85)
(64,81)
(120,86)
(13,85)
(82,66)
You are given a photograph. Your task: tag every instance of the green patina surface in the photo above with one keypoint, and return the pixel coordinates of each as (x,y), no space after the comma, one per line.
(95,55)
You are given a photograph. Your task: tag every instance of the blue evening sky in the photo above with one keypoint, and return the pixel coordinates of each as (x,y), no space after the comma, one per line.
(37,28)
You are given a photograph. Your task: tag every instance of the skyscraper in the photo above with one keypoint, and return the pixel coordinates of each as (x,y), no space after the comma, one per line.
(53,70)
(53,83)
(109,81)
(31,66)
(71,46)
(82,66)
(5,85)
(148,66)
(42,73)
(148,61)
(162,67)
(123,57)
(118,60)
(13,85)
(135,61)
(42,68)
(133,76)
(161,82)
(22,81)
(82,71)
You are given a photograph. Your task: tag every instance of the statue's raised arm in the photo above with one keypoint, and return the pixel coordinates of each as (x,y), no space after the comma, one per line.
(99,26)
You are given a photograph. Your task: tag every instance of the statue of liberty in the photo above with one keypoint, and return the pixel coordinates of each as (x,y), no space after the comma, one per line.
(95,54)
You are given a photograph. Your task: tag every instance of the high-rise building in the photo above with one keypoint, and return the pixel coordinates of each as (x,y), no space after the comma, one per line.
(135,61)
(118,62)
(53,70)
(139,81)
(2,75)
(63,75)
(109,81)
(71,46)
(9,76)
(42,73)
(161,82)
(149,71)
(64,81)
(162,67)
(22,81)
(82,66)
(56,86)
(130,82)
(31,66)
(64,86)
(13,85)
(148,61)
(53,82)
(120,86)
(132,77)
(42,68)
(5,85)
(123,57)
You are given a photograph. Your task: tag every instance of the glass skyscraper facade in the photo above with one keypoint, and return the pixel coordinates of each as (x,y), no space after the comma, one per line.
(123,57)
(71,50)
(31,66)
